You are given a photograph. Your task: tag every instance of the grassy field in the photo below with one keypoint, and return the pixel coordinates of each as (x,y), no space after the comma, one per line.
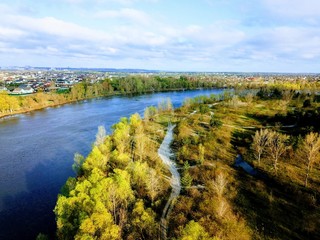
(272,204)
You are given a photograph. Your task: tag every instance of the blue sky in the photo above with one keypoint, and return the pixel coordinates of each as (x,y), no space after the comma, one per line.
(178,35)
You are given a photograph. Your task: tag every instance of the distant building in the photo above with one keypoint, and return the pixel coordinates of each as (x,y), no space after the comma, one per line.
(22,91)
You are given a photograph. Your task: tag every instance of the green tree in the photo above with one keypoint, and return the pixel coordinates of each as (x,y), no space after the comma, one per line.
(186,180)
(214,122)
(203,109)
(42,236)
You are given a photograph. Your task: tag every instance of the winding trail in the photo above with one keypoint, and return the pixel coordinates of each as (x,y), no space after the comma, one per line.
(165,153)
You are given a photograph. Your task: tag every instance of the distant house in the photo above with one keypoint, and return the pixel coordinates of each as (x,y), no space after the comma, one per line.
(22,91)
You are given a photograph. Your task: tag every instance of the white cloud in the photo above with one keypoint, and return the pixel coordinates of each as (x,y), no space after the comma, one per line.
(280,44)
(9,33)
(54,27)
(294,8)
(120,2)
(127,35)
(130,14)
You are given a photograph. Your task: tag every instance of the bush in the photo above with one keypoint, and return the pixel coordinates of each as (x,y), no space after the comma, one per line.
(214,122)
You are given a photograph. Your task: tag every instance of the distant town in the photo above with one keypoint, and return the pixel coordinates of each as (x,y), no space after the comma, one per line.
(19,81)
(28,80)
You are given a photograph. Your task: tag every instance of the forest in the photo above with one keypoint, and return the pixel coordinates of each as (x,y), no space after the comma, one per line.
(122,186)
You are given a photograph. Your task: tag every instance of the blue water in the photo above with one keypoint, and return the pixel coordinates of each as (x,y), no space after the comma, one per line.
(239,162)
(37,149)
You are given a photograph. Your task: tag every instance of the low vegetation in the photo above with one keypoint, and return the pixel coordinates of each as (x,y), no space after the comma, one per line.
(278,136)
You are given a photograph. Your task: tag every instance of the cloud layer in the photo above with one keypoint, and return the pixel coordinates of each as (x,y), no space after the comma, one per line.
(267,35)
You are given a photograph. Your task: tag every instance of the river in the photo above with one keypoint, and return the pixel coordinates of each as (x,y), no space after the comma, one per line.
(36,154)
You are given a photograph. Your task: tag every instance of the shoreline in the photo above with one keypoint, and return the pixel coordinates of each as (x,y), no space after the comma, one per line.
(6,115)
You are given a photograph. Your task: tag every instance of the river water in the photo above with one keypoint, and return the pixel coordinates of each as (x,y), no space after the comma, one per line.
(37,149)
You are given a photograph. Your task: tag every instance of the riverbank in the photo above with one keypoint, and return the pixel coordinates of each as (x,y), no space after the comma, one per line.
(118,93)
(22,111)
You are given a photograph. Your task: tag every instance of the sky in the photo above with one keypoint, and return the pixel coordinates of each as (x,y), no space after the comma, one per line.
(169,35)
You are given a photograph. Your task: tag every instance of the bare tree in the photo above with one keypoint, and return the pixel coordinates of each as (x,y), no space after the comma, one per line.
(222,208)
(249,98)
(235,101)
(260,140)
(77,165)
(287,95)
(150,113)
(276,147)
(219,184)
(100,136)
(153,184)
(166,106)
(310,152)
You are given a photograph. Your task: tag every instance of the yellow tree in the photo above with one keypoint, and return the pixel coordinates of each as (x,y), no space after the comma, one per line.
(120,195)
(95,160)
(4,105)
(140,142)
(201,153)
(121,135)
(143,222)
(194,231)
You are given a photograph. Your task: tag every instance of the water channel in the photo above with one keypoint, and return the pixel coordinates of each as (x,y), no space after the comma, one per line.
(36,154)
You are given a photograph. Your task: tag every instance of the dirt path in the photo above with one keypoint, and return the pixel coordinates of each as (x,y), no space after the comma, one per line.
(165,153)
